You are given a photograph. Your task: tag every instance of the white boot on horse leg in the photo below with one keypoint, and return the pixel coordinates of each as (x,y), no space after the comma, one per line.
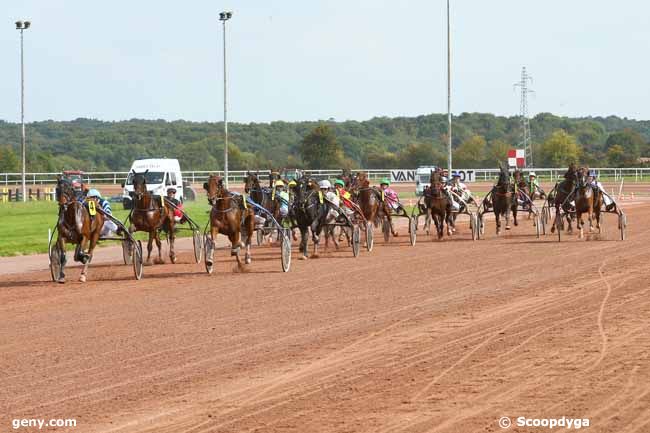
(248,258)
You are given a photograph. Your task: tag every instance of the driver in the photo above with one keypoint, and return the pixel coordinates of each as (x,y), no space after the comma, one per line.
(609,203)
(109,228)
(390,196)
(326,190)
(178,209)
(344,196)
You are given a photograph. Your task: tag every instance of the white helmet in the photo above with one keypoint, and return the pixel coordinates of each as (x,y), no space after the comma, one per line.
(532,173)
(324,184)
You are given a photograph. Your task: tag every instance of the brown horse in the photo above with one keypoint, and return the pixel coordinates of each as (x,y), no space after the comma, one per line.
(588,200)
(151,215)
(438,203)
(76,226)
(367,197)
(504,200)
(229,215)
(561,195)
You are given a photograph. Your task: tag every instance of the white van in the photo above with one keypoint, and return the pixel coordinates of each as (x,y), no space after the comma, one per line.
(422,178)
(162,174)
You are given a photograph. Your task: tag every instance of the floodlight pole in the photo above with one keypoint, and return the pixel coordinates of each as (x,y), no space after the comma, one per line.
(449,156)
(223,17)
(22,26)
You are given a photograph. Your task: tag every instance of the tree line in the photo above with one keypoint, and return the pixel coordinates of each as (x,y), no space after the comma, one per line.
(479,141)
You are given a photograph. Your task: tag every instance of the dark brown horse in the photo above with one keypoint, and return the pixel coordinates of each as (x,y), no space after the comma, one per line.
(561,194)
(438,203)
(151,215)
(588,200)
(367,198)
(230,216)
(504,199)
(76,226)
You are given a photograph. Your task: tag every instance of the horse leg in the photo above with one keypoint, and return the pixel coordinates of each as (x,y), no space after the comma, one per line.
(61,243)
(209,259)
(448,218)
(514,215)
(94,237)
(497,219)
(235,246)
(579,225)
(172,238)
(156,237)
(507,215)
(250,227)
(315,236)
(303,243)
(569,221)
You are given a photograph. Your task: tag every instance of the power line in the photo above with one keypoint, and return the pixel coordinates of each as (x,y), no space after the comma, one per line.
(526,140)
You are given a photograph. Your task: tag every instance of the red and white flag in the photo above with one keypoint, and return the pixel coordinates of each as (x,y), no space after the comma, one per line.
(517,158)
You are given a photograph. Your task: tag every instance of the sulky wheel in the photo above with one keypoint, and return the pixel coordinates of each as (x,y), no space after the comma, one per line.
(56,261)
(413,230)
(285,246)
(136,254)
(385,228)
(198,246)
(126,251)
(370,237)
(356,240)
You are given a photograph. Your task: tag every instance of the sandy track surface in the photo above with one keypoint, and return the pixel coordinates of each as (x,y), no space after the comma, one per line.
(441,337)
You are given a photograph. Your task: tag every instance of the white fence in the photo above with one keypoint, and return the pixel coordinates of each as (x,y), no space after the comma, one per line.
(478,175)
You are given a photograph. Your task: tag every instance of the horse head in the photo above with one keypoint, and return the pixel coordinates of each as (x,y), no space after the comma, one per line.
(64,191)
(581,176)
(251,183)
(214,188)
(139,184)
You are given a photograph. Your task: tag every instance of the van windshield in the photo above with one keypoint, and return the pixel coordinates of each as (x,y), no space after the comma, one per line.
(151,178)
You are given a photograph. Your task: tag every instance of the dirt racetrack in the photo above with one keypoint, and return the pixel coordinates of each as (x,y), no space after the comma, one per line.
(442,337)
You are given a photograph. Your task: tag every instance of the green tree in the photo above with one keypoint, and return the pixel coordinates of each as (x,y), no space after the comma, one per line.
(471,153)
(8,160)
(320,149)
(560,149)
(630,141)
(616,156)
(497,152)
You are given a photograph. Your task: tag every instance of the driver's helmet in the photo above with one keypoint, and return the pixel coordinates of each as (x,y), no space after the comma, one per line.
(532,174)
(292,183)
(339,182)
(279,183)
(592,173)
(455,176)
(385,181)
(93,193)
(324,184)
(171,190)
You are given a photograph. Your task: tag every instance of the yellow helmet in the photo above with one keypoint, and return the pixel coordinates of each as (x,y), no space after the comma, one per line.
(292,183)
(279,183)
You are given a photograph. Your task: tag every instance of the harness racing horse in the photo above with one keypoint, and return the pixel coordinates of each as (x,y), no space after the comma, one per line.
(368,198)
(262,196)
(75,225)
(309,210)
(229,216)
(504,199)
(563,191)
(151,215)
(588,200)
(438,203)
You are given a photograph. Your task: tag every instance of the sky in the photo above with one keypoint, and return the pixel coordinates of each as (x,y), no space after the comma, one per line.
(296,60)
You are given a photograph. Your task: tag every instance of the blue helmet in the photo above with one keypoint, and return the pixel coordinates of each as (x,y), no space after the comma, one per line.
(93,193)
(592,173)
